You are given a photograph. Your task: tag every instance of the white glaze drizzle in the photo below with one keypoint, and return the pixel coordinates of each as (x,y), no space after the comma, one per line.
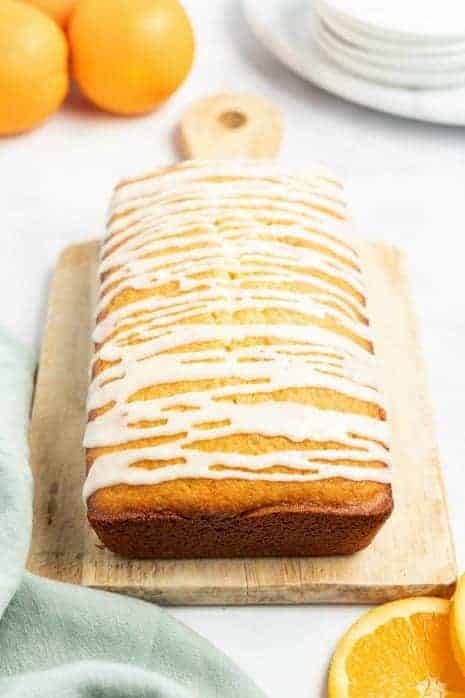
(209,229)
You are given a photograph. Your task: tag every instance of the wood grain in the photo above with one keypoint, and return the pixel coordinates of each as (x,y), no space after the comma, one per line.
(412,555)
(231,126)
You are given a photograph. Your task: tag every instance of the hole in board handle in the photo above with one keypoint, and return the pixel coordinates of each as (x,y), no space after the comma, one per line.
(232,119)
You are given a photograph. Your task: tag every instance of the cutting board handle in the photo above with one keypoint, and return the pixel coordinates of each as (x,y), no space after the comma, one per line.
(231,126)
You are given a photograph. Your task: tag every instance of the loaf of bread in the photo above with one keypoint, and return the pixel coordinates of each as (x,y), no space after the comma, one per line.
(234,407)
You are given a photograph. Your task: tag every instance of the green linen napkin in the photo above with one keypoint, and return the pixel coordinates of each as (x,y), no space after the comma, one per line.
(64,641)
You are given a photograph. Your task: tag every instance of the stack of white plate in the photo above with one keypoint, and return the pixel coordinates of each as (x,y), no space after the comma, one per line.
(405,43)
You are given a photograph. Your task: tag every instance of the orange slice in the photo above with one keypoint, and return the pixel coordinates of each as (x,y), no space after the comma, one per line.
(457,623)
(399,650)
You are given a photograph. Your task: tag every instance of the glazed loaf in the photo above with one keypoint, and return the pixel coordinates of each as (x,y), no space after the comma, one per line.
(234,407)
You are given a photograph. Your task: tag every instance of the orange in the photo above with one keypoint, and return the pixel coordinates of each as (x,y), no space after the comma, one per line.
(129,55)
(457,623)
(399,650)
(33,66)
(59,10)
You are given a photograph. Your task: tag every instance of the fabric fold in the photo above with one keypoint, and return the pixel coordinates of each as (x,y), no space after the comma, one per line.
(61,640)
(16,379)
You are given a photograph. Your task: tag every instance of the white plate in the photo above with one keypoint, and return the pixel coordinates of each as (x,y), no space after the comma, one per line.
(387,76)
(387,45)
(389,58)
(418,19)
(284,27)
(370,65)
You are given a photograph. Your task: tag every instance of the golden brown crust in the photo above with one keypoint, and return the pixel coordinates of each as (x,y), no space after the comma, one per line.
(208,497)
(291,530)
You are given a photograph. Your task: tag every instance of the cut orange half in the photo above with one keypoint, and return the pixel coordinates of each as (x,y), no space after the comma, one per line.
(457,623)
(399,650)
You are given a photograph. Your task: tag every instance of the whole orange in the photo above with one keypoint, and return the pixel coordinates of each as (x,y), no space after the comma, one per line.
(129,55)
(59,10)
(33,66)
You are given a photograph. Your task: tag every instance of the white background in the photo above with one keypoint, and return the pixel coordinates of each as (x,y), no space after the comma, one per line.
(407,186)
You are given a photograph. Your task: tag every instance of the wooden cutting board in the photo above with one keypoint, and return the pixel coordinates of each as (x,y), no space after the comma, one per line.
(413,554)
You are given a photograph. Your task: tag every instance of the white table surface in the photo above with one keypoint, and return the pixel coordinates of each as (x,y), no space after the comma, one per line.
(407,186)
